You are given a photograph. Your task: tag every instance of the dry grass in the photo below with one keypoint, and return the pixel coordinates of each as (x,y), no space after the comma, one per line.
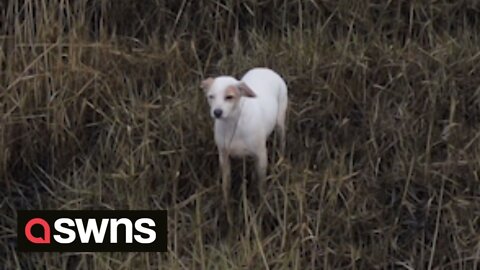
(101,109)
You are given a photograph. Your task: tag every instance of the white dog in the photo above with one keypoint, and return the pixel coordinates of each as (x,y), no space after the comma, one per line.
(245,113)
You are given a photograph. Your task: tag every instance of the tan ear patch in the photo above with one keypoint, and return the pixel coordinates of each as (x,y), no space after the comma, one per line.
(206,84)
(245,90)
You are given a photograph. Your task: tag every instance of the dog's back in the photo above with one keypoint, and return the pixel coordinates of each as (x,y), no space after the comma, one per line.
(265,82)
(271,91)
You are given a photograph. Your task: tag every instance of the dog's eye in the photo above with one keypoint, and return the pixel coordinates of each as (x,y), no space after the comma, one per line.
(210,96)
(228,97)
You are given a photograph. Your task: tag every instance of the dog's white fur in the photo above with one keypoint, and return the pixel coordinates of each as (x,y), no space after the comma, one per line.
(250,110)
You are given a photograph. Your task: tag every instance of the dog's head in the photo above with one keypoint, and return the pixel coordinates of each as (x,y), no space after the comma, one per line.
(224,94)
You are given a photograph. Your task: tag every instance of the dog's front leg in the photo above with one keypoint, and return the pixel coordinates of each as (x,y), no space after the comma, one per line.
(226,179)
(261,164)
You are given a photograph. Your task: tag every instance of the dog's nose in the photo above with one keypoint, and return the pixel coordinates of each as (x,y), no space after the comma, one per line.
(217,113)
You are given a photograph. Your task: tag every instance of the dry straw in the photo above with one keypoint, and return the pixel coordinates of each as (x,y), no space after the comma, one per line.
(100,109)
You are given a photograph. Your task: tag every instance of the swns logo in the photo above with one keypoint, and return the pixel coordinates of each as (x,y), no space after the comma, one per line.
(95,230)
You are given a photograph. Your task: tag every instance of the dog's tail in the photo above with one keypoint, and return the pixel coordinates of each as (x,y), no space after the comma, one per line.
(282,103)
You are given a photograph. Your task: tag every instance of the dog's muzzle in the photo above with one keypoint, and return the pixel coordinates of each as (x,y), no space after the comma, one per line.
(217,113)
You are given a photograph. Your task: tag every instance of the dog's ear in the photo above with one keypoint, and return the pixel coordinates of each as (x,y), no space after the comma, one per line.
(205,85)
(245,90)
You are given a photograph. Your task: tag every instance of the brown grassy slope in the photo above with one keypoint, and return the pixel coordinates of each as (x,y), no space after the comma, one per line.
(101,109)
